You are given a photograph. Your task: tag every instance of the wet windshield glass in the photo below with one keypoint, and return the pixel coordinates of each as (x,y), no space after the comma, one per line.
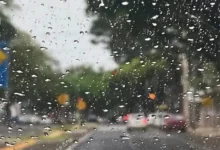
(109,74)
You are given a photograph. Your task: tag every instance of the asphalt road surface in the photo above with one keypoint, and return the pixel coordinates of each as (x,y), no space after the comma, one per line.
(116,138)
(18,130)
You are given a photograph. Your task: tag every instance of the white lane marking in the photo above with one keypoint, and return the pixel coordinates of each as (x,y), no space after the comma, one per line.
(81,140)
(112,128)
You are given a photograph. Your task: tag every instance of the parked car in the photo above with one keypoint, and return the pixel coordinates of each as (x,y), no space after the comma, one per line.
(29,118)
(92,118)
(157,119)
(167,121)
(119,119)
(175,122)
(46,120)
(137,121)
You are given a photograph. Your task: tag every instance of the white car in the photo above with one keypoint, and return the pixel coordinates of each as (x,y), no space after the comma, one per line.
(136,121)
(46,121)
(157,119)
(29,118)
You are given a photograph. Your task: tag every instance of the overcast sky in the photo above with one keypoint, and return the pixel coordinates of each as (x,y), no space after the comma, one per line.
(59,24)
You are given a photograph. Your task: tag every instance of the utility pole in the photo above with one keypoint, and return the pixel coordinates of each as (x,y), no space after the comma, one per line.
(185,85)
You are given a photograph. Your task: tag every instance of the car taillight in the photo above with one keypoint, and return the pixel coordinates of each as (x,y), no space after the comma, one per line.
(125,118)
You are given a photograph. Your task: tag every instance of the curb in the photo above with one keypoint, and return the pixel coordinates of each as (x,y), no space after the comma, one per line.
(21,145)
(30,142)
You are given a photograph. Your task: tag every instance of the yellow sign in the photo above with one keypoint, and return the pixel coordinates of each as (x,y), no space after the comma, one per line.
(2,56)
(81,105)
(63,99)
(207,102)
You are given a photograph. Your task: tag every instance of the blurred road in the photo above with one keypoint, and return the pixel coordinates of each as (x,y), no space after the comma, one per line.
(18,130)
(116,138)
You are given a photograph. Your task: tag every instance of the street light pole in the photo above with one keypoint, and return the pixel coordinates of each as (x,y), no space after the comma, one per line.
(185,85)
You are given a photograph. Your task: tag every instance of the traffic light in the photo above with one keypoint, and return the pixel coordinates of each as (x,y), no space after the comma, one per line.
(152,96)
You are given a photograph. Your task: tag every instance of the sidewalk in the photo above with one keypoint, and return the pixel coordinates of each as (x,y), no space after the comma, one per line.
(48,136)
(207,137)
(205,132)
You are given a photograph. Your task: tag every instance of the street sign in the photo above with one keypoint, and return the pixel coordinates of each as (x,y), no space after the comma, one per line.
(207,102)
(63,99)
(81,104)
(4,66)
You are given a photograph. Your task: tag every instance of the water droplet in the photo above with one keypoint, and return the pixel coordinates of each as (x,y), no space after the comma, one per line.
(154,24)
(168,134)
(19,71)
(47,33)
(147,39)
(68,131)
(46,134)
(125,137)
(91,138)
(34,137)
(211,39)
(191,27)
(9,128)
(33,37)
(20,129)
(199,49)
(105,110)
(156,138)
(3,2)
(166,116)
(155,17)
(76,41)
(212,3)
(125,3)
(8,144)
(138,95)
(75,141)
(81,32)
(6,48)
(43,48)
(34,76)
(121,106)
(87,93)
(47,128)
(201,69)
(101,4)
(127,63)
(19,94)
(207,116)
(154,4)
(47,80)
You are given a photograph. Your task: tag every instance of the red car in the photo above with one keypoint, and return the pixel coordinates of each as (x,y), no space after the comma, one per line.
(175,122)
